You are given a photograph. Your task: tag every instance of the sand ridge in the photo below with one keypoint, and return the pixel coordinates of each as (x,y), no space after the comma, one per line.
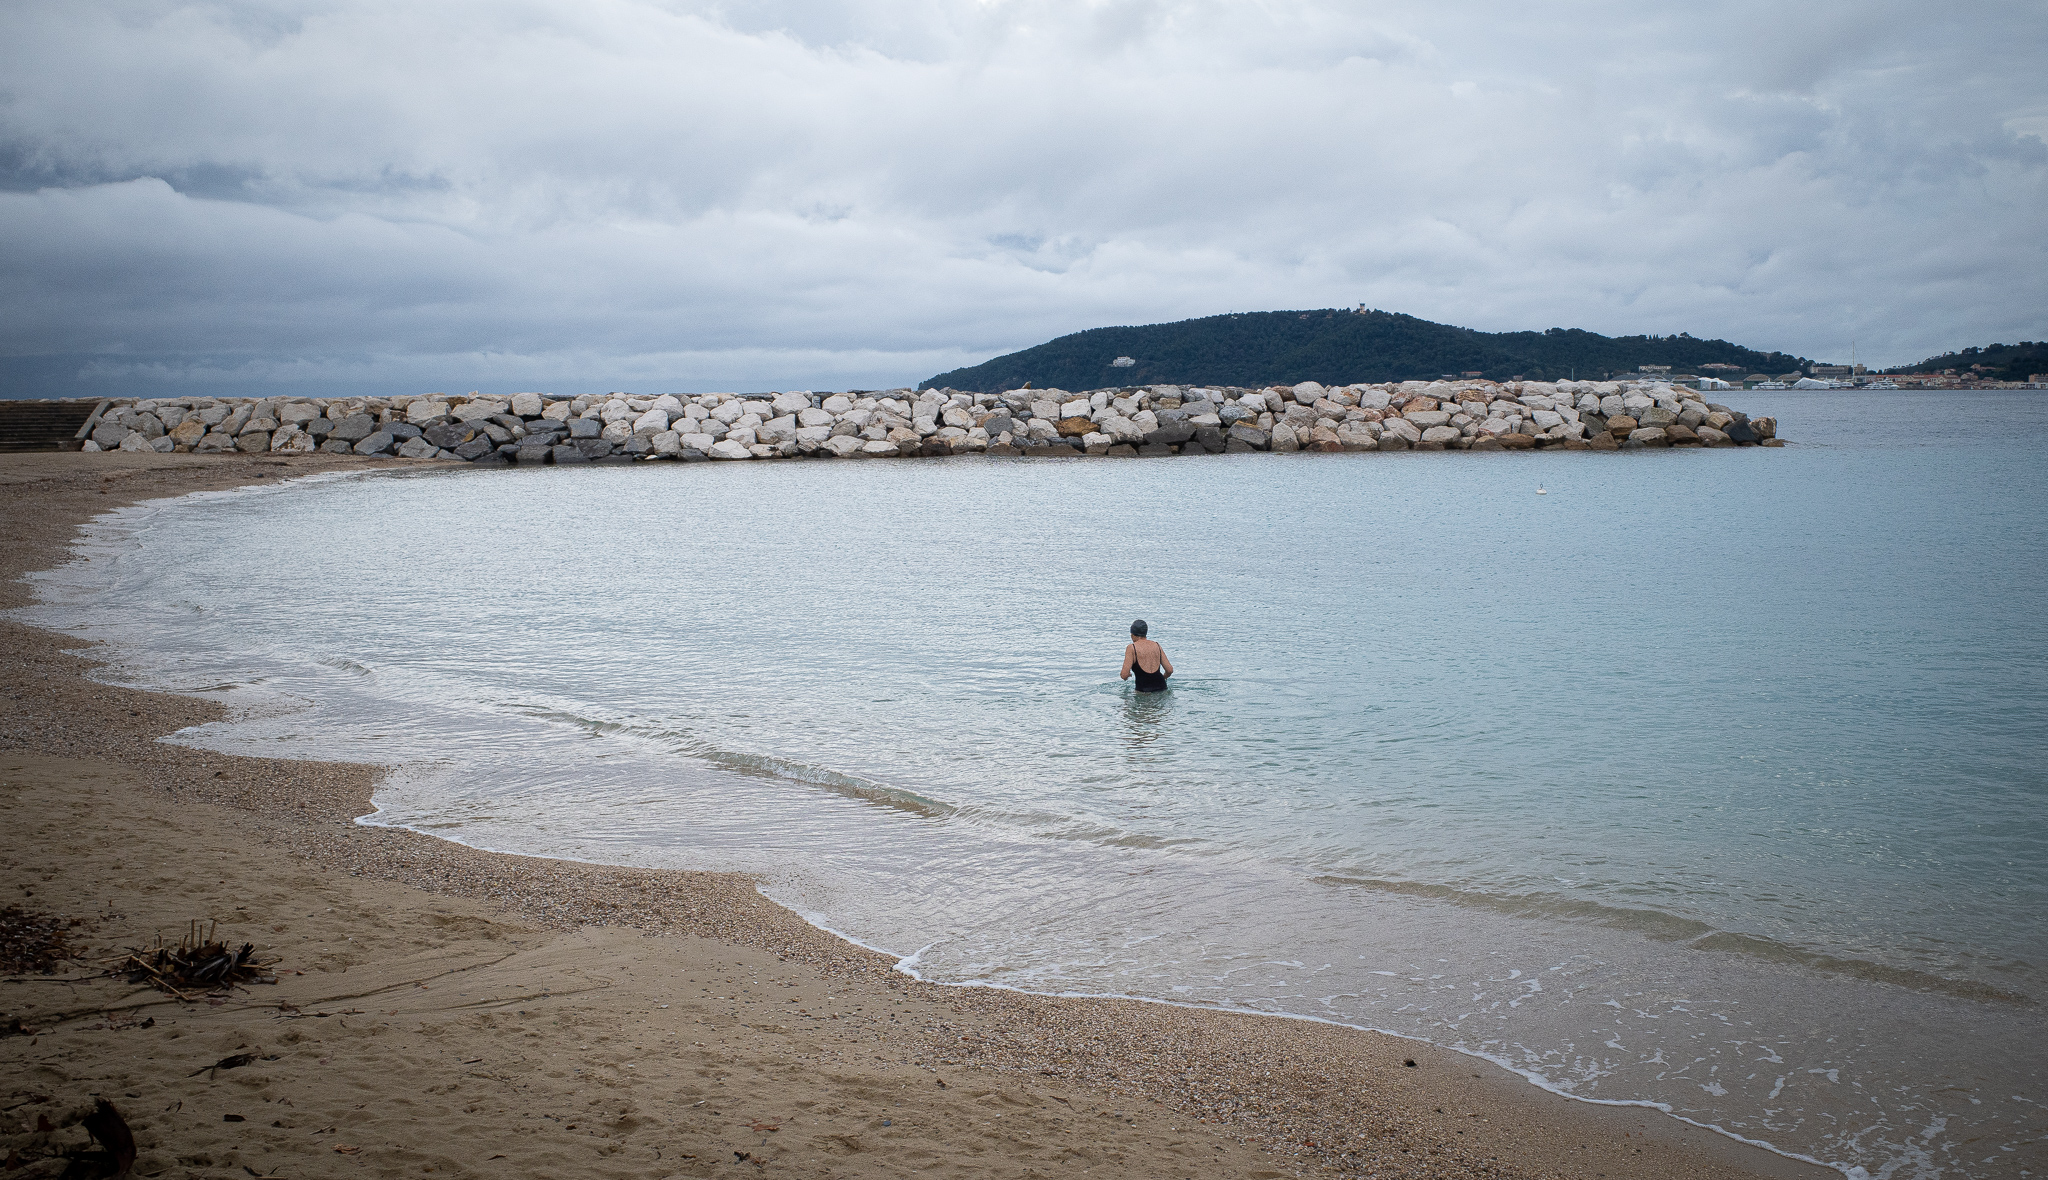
(455,1001)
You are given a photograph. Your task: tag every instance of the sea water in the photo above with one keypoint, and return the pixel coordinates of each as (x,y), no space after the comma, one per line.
(1707,779)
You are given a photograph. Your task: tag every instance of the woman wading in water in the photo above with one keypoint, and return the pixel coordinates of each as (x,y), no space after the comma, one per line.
(1141,652)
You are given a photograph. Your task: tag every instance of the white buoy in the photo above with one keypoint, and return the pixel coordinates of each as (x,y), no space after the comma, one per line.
(1540,491)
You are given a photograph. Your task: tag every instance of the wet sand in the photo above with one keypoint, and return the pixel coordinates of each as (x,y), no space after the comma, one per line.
(449,1011)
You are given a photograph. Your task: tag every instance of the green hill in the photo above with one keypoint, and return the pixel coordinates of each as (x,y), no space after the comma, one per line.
(1996,362)
(1331,345)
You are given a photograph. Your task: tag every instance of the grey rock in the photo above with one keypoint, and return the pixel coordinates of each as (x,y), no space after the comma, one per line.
(586,428)
(319,427)
(1427,419)
(527,405)
(730,449)
(592,448)
(380,443)
(109,433)
(402,431)
(1250,436)
(417,448)
(253,442)
(476,448)
(355,428)
(1657,416)
(566,453)
(1441,434)
(335,446)
(1209,438)
(449,435)
(1284,437)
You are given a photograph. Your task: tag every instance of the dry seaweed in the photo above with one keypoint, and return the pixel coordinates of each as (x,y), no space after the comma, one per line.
(33,943)
(197,965)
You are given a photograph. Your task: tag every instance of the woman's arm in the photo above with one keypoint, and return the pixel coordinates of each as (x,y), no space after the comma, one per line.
(1130,655)
(1165,665)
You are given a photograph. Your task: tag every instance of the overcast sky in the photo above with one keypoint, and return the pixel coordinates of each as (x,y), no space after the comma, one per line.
(627,194)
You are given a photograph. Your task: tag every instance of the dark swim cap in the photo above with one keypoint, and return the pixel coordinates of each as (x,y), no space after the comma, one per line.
(1138,628)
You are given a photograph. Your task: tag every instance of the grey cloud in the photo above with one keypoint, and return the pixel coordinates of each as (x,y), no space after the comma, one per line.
(748,195)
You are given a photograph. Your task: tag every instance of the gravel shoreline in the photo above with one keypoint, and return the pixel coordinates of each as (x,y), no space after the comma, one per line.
(1316,1098)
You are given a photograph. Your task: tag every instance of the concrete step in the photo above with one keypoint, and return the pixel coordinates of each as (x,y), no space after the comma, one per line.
(43,424)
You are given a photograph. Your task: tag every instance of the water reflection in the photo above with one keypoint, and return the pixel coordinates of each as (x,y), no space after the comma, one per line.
(1145,717)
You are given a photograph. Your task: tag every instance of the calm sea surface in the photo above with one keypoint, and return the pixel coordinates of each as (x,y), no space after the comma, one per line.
(1708,779)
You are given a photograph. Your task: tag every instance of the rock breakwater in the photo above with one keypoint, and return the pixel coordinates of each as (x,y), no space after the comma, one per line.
(531,428)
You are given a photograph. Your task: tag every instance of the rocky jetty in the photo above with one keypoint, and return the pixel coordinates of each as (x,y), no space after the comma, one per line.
(1151,420)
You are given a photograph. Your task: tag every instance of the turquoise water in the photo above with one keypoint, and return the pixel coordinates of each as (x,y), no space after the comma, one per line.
(1711,779)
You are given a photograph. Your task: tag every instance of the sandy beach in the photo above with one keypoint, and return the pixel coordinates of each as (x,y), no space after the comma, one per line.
(441,1010)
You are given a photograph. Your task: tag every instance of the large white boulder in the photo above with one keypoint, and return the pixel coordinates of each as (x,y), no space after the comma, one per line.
(699,442)
(841,445)
(729,448)
(777,431)
(293,441)
(1359,436)
(527,405)
(650,423)
(468,411)
(814,417)
(421,409)
(791,403)
(1400,428)
(668,442)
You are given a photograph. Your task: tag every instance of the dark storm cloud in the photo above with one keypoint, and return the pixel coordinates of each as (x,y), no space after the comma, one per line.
(385,196)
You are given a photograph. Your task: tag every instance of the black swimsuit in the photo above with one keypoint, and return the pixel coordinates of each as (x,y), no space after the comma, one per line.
(1150,681)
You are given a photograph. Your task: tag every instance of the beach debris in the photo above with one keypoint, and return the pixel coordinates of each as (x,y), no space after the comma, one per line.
(235,1062)
(34,943)
(760,1125)
(345,1149)
(199,964)
(1409,1063)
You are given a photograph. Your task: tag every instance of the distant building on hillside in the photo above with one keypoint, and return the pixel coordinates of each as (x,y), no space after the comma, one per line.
(1122,362)
(1653,368)
(1833,371)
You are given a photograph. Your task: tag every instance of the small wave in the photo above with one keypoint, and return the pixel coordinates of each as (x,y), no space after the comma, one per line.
(347,665)
(764,765)
(1700,935)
